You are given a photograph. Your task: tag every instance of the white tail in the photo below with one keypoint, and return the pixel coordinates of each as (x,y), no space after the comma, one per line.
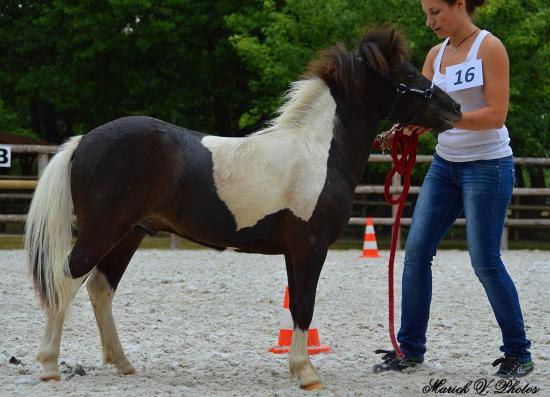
(48,231)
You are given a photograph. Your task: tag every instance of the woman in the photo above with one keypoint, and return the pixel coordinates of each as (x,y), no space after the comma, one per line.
(472,174)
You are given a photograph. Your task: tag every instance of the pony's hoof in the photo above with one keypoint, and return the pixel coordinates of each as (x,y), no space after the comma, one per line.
(126,369)
(312,387)
(48,377)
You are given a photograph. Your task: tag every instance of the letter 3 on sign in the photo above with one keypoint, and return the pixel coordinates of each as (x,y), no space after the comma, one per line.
(5,156)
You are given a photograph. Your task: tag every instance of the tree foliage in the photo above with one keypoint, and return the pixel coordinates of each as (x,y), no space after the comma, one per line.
(69,66)
(285,36)
(221,66)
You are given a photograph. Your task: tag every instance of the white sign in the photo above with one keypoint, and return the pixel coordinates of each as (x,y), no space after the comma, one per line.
(5,156)
(464,75)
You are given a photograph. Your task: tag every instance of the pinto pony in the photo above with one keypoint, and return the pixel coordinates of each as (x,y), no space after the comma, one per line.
(286,189)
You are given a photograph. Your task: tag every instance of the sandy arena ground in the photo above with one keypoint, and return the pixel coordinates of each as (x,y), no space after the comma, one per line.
(198,323)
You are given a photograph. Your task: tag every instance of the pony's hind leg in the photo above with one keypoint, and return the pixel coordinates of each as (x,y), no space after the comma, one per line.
(91,246)
(48,354)
(303,274)
(101,287)
(83,258)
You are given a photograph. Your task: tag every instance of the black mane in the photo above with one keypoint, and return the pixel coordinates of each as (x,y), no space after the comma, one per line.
(383,48)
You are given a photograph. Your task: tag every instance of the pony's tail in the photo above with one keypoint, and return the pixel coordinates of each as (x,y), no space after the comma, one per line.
(48,231)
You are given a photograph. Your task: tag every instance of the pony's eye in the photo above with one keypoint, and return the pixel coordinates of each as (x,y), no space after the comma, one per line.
(411,75)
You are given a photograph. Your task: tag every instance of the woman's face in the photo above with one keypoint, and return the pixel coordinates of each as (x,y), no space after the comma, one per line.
(441,17)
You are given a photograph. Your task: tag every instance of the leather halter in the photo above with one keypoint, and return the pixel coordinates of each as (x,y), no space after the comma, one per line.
(402,89)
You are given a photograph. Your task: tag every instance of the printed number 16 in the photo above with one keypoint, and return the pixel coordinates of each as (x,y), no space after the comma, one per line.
(469,76)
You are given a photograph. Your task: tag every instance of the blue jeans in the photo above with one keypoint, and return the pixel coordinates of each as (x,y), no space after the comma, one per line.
(481,190)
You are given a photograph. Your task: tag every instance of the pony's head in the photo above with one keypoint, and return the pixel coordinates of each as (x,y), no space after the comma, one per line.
(378,78)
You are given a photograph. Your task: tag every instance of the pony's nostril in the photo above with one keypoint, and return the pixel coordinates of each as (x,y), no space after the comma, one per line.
(457,107)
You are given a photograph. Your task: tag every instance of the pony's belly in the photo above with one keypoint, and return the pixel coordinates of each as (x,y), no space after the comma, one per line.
(217,229)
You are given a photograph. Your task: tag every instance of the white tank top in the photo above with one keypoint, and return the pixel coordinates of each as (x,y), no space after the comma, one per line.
(462,145)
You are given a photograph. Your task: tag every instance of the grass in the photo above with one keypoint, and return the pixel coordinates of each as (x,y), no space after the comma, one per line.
(11,242)
(8,242)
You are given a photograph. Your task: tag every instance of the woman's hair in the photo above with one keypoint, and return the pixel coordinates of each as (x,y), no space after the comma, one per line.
(471,5)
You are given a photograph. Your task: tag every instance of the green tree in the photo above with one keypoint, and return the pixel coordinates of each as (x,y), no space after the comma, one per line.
(69,66)
(524,28)
(221,66)
(276,40)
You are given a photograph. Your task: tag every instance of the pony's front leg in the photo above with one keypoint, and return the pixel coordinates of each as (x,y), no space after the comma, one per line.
(303,274)
(299,363)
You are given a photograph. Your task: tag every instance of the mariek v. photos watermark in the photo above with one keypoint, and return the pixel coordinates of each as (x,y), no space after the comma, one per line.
(481,387)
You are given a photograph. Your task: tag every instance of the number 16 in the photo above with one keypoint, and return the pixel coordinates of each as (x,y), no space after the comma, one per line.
(469,76)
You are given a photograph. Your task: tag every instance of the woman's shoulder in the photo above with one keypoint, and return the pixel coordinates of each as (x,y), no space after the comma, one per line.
(432,54)
(490,46)
(435,49)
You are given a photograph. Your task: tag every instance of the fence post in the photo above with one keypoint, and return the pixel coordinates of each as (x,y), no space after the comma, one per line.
(396,182)
(504,240)
(174,241)
(42,163)
(516,201)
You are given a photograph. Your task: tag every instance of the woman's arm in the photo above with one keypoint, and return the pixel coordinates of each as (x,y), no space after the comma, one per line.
(495,87)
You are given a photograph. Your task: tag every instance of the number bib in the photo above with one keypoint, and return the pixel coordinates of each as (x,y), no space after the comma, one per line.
(464,75)
(5,156)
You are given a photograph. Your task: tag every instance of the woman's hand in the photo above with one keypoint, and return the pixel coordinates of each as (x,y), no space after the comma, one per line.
(409,129)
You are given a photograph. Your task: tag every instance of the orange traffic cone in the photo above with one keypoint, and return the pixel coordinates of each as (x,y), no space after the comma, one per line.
(285,333)
(370,248)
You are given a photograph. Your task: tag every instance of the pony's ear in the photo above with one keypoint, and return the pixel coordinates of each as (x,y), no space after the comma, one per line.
(384,48)
(398,52)
(374,56)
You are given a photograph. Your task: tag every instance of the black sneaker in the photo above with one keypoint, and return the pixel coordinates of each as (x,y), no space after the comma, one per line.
(393,363)
(512,367)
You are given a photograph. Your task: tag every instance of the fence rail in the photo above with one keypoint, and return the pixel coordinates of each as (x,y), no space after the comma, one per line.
(43,152)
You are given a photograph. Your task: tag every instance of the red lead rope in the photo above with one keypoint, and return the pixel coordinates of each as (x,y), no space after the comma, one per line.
(403,165)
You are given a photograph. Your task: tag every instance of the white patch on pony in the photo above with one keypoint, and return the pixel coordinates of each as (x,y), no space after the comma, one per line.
(281,167)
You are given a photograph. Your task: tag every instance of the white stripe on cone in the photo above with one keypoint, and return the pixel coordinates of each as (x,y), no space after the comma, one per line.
(287,323)
(286,320)
(370,245)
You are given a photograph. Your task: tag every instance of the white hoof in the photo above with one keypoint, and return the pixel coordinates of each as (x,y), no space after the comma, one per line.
(50,369)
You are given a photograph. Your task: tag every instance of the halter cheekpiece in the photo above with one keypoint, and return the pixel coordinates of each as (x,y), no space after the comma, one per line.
(401,89)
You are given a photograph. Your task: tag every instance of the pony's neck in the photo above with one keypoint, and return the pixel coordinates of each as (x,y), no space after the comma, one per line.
(354,133)
(314,113)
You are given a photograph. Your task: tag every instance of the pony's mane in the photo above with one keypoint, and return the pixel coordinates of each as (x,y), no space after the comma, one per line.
(383,48)
(298,102)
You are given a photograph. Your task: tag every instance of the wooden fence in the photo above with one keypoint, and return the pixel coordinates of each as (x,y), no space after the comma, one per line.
(43,153)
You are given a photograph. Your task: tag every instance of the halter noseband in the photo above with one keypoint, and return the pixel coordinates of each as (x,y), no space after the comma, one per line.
(401,89)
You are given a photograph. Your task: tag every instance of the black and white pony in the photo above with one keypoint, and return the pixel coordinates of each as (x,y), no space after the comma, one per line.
(286,190)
